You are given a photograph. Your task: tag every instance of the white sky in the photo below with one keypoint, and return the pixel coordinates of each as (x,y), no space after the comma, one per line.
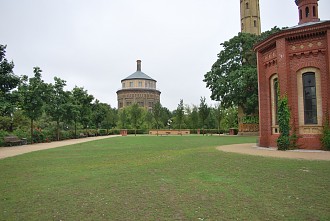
(95,44)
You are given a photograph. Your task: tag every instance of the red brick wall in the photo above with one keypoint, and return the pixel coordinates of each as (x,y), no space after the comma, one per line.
(289,58)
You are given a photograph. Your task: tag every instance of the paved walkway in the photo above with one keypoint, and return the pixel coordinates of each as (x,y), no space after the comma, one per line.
(17,150)
(251,149)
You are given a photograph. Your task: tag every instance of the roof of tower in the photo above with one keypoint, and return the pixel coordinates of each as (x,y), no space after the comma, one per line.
(138,74)
(307,24)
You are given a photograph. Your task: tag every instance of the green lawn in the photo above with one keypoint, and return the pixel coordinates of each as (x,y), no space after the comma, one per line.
(161,178)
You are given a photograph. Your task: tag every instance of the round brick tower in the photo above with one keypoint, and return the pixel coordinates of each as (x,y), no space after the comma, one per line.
(138,88)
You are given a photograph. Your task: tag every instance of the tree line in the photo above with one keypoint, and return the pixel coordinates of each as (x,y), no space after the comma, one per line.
(40,111)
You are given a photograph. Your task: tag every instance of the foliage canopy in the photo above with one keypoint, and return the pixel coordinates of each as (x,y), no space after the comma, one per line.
(233,78)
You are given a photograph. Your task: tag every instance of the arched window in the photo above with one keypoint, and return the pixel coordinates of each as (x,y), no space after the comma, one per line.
(255,23)
(274,89)
(275,85)
(314,11)
(247,5)
(310,101)
(307,12)
(300,14)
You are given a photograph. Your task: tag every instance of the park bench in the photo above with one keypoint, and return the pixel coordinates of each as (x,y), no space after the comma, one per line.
(12,140)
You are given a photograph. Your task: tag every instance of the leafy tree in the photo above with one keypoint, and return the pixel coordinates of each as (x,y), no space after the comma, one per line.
(180,114)
(136,113)
(157,113)
(123,118)
(8,82)
(204,111)
(72,111)
(83,101)
(218,111)
(192,117)
(99,112)
(233,77)
(149,119)
(230,118)
(166,115)
(57,103)
(32,96)
(111,118)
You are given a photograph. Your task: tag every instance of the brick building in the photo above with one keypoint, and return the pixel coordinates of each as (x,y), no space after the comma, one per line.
(138,88)
(296,60)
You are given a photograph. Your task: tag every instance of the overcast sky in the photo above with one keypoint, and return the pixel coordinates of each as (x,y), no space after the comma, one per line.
(95,44)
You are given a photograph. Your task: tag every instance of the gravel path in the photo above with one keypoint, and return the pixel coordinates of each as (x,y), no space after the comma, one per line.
(251,149)
(17,150)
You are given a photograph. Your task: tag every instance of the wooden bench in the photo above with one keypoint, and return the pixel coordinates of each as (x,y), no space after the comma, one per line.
(12,140)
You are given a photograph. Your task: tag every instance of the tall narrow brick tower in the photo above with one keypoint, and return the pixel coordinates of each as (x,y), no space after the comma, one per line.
(250,23)
(250,17)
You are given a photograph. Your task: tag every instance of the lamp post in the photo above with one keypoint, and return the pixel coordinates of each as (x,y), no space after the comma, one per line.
(169,123)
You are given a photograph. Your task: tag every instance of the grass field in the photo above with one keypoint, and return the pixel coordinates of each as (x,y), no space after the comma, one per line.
(161,178)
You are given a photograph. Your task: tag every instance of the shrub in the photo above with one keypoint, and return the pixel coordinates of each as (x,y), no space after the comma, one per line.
(102,132)
(2,135)
(325,139)
(38,136)
(283,142)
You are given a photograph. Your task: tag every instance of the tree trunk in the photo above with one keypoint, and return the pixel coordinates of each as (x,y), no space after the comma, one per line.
(75,129)
(31,131)
(58,130)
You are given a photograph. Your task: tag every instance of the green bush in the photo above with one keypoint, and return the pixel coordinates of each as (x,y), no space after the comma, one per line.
(114,132)
(283,142)
(2,135)
(209,131)
(102,132)
(325,139)
(38,136)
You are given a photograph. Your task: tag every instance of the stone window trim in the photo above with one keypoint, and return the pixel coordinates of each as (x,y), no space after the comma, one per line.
(309,128)
(310,99)
(273,95)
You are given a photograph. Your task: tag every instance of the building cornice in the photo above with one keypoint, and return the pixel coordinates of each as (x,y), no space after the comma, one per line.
(299,32)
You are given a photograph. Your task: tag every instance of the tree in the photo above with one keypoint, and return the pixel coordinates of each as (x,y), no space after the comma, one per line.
(230,118)
(204,111)
(149,119)
(180,114)
(111,119)
(166,116)
(123,118)
(218,111)
(136,113)
(83,101)
(8,82)
(99,112)
(233,77)
(157,112)
(57,103)
(32,96)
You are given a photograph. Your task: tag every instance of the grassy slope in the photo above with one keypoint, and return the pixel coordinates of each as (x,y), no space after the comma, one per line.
(161,178)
